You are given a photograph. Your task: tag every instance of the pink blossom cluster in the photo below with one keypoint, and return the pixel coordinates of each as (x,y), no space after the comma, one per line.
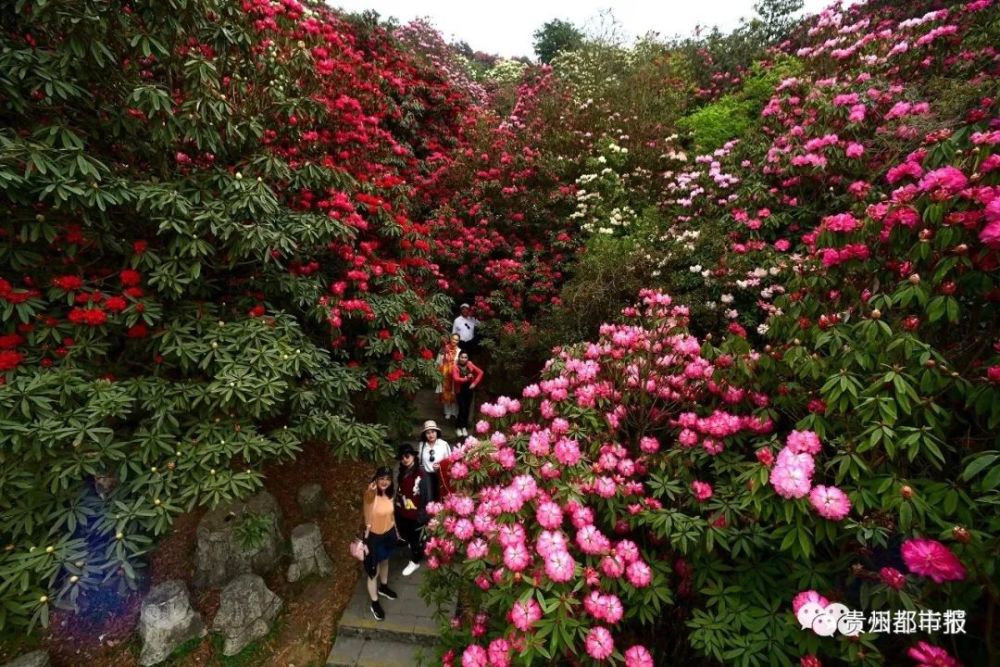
(521,529)
(793,473)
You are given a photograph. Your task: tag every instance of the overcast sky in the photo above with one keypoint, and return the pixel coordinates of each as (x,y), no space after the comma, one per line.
(505,28)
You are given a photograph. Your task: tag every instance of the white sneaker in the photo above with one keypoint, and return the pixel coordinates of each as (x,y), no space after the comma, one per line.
(410,568)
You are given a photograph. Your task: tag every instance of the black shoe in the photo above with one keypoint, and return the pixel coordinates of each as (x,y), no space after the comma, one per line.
(385,591)
(377,611)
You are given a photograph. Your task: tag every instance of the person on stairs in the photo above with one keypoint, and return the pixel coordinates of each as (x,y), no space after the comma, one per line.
(380,536)
(433,450)
(467,377)
(412,495)
(446,360)
(465,326)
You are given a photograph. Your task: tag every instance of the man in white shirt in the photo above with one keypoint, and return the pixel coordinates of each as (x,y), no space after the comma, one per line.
(465,327)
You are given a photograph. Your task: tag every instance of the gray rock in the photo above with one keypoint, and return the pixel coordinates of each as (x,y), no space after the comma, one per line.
(312,501)
(246,611)
(308,554)
(167,621)
(33,659)
(220,556)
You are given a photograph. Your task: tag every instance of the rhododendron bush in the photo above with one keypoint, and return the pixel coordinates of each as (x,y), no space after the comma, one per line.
(210,248)
(651,491)
(838,445)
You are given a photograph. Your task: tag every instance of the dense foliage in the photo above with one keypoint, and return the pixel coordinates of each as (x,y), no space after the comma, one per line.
(211,252)
(832,435)
(234,226)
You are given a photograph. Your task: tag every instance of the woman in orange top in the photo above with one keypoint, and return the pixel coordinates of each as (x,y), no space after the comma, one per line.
(446,360)
(380,536)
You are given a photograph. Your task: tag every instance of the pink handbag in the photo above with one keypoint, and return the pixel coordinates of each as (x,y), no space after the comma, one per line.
(358,548)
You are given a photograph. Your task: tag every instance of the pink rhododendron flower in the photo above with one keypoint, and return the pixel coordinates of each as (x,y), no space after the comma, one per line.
(651,445)
(567,452)
(511,534)
(599,644)
(830,502)
(801,442)
(463,529)
(701,490)
(559,566)
(474,656)
(516,557)
(499,652)
(928,655)
(947,179)
(788,458)
(808,596)
(990,234)
(524,614)
(639,574)
(476,549)
(627,551)
(790,481)
(592,541)
(842,222)
(612,567)
(765,456)
(930,558)
(638,656)
(549,515)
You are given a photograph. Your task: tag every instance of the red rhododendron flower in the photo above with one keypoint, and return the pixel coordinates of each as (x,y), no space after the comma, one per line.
(115,304)
(68,283)
(139,330)
(10,359)
(892,577)
(129,277)
(10,341)
(89,316)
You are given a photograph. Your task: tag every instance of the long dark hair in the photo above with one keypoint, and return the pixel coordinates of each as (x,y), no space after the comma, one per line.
(423,437)
(384,471)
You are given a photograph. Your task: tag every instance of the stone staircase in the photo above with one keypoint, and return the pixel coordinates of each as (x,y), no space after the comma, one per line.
(409,634)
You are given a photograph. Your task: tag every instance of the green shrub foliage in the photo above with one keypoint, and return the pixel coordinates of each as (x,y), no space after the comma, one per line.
(207,257)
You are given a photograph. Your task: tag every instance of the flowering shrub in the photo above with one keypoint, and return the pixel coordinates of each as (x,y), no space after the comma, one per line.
(648,470)
(853,242)
(211,251)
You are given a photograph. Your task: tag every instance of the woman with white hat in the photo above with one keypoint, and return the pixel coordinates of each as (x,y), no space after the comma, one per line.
(433,450)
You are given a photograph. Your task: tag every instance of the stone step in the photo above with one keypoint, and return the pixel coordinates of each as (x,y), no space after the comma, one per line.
(408,619)
(364,652)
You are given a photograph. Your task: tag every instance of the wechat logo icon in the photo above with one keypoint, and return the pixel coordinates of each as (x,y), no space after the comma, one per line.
(831,619)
